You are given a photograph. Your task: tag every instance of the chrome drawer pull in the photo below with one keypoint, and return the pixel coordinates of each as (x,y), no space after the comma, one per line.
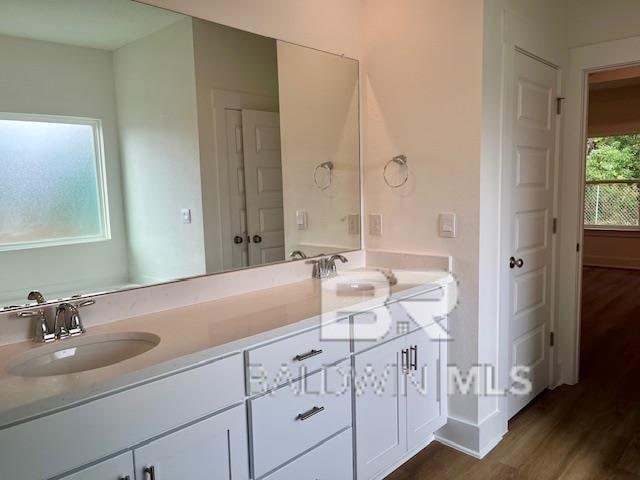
(310,413)
(150,471)
(304,356)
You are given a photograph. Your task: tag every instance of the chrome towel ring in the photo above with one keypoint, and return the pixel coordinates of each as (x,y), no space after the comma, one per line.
(402,171)
(326,168)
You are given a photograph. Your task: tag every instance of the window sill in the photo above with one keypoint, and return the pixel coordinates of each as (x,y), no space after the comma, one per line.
(61,242)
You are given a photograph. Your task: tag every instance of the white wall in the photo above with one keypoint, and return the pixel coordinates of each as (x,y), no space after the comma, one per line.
(157,116)
(597,21)
(319,123)
(50,78)
(225,59)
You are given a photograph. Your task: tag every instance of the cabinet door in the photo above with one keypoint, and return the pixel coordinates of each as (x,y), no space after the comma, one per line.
(380,417)
(117,468)
(214,449)
(422,388)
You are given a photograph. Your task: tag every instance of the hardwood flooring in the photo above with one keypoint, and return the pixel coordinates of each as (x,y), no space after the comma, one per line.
(581,432)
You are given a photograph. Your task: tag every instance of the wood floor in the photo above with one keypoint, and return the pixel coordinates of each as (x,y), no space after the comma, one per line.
(586,431)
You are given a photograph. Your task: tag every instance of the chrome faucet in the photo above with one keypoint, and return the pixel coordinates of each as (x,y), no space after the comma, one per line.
(73,324)
(297,253)
(325,267)
(67,322)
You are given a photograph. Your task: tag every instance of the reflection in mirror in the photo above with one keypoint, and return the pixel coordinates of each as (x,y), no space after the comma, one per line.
(140,146)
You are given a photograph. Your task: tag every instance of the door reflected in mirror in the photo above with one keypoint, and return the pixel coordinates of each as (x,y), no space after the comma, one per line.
(140,146)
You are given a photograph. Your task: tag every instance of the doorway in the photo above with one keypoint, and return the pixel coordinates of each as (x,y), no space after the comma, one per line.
(611,255)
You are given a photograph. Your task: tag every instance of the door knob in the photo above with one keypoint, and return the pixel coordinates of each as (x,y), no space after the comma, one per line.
(513,263)
(257,239)
(238,239)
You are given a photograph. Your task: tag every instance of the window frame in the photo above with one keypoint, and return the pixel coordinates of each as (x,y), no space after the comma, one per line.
(101,180)
(611,228)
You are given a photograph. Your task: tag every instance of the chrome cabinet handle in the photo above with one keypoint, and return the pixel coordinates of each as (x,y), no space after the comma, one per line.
(303,416)
(151,471)
(413,365)
(124,477)
(405,360)
(309,354)
(257,239)
(513,263)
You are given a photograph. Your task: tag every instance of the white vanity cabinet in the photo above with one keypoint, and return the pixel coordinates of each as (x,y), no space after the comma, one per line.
(117,468)
(398,407)
(214,448)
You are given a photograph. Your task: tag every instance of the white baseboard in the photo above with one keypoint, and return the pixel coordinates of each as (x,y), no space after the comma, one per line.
(473,439)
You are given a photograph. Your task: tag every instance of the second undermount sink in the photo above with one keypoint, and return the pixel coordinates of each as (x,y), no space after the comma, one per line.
(81,353)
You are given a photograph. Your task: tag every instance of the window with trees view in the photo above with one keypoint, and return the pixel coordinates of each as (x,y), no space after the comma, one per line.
(612,190)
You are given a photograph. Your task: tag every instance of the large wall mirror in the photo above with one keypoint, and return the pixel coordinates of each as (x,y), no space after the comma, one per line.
(140,146)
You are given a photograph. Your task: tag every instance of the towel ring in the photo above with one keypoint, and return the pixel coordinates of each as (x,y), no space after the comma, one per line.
(325,167)
(401,161)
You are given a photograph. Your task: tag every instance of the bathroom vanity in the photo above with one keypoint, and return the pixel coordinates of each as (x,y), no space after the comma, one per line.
(254,386)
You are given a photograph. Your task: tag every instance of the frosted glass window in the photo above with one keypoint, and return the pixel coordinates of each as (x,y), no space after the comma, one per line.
(51,181)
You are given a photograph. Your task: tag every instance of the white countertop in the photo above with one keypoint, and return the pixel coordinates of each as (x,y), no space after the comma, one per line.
(191,336)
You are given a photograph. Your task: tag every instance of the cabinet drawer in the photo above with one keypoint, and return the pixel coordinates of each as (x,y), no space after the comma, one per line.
(118,421)
(292,419)
(333,460)
(276,363)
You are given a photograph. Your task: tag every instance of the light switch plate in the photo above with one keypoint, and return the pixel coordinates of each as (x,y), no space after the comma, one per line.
(375,224)
(301,219)
(447,225)
(185,214)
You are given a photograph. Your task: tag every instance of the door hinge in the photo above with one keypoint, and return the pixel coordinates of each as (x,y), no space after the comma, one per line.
(578,247)
(559,105)
(552,339)
(555,225)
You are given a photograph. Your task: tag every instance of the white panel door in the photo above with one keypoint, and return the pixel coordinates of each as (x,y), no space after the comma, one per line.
(117,468)
(263,186)
(381,408)
(530,222)
(215,448)
(422,388)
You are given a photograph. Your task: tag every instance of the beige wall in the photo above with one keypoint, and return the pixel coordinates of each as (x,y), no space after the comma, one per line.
(55,79)
(319,123)
(614,111)
(611,248)
(157,116)
(422,88)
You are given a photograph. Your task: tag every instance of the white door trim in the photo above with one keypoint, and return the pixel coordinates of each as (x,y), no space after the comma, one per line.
(582,61)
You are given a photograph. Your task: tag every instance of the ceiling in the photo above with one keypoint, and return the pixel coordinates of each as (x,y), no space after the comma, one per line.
(104,24)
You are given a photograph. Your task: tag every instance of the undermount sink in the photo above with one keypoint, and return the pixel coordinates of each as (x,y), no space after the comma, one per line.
(80,354)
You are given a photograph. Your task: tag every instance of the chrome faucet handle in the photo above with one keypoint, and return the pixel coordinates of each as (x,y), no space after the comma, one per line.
(37,296)
(59,325)
(297,253)
(75,322)
(42,332)
(342,258)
